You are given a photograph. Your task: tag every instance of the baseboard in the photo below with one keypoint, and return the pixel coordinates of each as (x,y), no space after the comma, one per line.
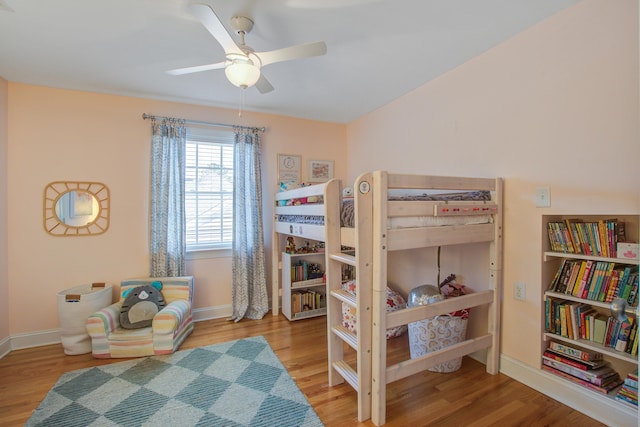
(5,347)
(35,339)
(600,408)
(208,313)
(42,338)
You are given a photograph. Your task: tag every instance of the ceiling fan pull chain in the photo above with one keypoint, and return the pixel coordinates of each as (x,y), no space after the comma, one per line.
(241,102)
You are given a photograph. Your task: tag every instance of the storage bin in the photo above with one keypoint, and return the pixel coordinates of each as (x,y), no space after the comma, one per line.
(428,335)
(74,307)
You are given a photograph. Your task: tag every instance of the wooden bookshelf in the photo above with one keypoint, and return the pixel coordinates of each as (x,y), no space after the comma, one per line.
(303,296)
(558,295)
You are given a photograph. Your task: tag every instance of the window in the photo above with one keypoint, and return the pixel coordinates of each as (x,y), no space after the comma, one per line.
(209,189)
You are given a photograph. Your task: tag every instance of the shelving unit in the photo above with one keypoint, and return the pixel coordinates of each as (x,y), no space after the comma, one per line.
(290,286)
(621,361)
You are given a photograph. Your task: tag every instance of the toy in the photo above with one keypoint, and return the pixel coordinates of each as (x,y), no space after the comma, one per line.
(291,246)
(140,305)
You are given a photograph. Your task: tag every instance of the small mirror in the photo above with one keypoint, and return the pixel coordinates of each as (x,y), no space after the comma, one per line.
(75,208)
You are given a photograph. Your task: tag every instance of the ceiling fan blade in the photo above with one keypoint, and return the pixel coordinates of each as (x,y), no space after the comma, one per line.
(212,23)
(263,84)
(196,69)
(292,52)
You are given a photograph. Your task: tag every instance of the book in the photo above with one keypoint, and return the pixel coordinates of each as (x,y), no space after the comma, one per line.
(600,389)
(624,278)
(576,363)
(633,293)
(573,234)
(596,280)
(601,376)
(599,328)
(576,280)
(603,235)
(632,337)
(606,281)
(627,401)
(575,352)
(585,279)
(585,311)
(631,379)
(616,275)
(564,331)
(569,276)
(623,334)
(553,286)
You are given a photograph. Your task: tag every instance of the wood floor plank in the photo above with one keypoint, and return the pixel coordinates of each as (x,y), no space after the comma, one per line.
(466,397)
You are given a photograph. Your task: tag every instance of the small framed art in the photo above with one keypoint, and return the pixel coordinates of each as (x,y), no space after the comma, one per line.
(289,168)
(320,170)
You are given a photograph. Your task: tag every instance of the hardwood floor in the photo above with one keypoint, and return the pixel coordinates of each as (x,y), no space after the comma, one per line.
(467,397)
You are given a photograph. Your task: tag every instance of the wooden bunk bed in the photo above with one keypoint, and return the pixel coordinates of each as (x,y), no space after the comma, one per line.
(372,237)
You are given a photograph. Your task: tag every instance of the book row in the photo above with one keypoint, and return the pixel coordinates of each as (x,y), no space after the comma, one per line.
(597,238)
(581,321)
(570,363)
(307,299)
(596,280)
(628,393)
(305,271)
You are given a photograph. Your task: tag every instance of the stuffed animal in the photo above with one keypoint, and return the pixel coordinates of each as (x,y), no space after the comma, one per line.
(140,305)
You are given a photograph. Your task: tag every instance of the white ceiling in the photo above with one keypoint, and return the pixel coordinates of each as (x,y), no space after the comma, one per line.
(377,50)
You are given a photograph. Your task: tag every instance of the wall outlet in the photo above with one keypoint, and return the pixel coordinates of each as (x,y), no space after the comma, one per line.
(543,197)
(519,291)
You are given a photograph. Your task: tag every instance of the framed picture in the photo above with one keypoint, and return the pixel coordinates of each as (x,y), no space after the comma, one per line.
(320,170)
(288,168)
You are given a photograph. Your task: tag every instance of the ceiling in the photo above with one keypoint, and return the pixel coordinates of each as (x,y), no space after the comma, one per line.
(377,50)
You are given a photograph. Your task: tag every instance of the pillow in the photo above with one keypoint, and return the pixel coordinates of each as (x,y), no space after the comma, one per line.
(140,305)
(395,301)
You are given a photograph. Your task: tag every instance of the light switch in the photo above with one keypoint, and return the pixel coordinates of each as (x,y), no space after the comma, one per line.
(543,197)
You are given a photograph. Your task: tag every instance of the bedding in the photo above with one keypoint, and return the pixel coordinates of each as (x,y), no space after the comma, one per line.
(347,211)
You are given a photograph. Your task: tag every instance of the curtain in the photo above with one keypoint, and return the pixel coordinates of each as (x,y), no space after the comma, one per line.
(249,285)
(166,211)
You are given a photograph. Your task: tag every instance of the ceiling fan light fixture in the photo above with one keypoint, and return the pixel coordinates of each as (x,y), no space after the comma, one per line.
(242,72)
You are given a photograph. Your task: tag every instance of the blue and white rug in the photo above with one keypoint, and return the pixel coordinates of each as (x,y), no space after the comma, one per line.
(237,383)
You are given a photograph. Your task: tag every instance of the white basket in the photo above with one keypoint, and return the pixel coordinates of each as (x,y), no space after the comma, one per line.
(74,306)
(428,335)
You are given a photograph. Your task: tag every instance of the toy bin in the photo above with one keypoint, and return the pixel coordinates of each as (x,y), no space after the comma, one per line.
(428,335)
(74,307)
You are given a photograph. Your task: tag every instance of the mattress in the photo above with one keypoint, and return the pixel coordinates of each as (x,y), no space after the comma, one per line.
(347,211)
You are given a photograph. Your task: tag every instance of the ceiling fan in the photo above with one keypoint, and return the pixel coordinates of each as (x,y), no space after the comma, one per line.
(242,65)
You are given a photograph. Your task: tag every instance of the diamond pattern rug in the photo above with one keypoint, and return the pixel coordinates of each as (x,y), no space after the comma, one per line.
(237,383)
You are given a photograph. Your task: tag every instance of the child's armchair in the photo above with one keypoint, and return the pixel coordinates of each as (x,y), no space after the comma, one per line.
(170,325)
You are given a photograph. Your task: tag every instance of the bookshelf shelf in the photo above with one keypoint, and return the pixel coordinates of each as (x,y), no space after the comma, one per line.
(609,398)
(550,254)
(571,285)
(604,305)
(594,346)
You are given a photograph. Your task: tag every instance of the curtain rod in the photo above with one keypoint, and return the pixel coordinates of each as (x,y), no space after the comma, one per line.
(146,116)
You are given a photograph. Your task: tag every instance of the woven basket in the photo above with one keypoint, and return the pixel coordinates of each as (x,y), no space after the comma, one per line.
(74,306)
(428,335)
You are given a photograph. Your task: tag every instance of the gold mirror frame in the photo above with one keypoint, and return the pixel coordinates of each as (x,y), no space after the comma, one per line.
(56,190)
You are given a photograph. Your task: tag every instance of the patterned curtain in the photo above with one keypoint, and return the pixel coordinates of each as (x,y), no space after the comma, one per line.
(249,290)
(166,212)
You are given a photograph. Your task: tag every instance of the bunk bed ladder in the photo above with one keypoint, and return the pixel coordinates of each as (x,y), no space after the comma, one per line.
(342,366)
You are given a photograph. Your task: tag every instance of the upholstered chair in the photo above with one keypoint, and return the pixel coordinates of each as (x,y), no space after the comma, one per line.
(170,326)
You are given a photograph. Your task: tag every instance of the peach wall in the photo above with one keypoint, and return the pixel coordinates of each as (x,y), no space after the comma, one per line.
(555,106)
(4,285)
(69,135)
